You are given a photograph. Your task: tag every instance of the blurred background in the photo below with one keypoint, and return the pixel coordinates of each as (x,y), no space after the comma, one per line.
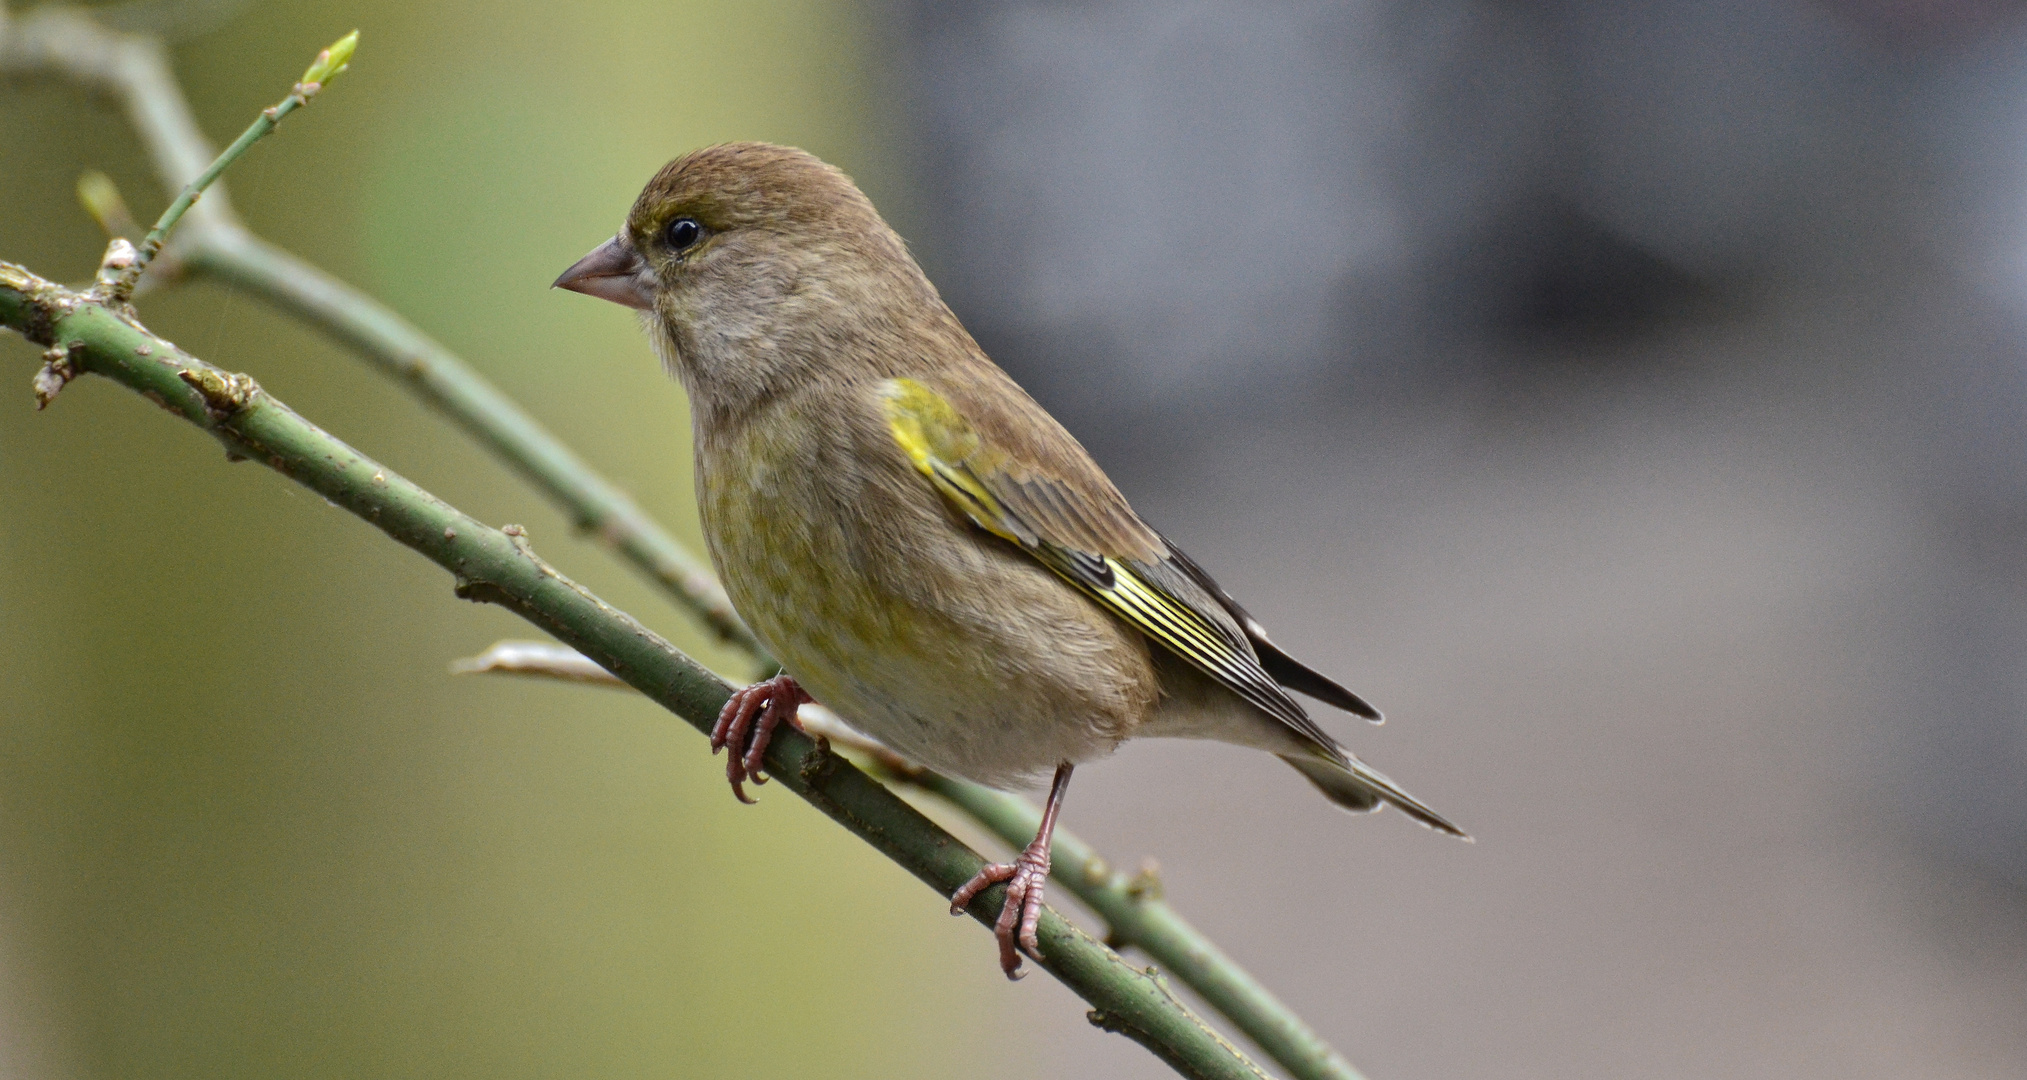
(1630,399)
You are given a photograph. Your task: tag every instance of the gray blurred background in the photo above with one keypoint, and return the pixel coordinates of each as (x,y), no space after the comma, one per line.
(1629,399)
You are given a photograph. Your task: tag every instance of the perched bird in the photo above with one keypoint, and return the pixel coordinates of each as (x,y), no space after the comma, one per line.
(922,547)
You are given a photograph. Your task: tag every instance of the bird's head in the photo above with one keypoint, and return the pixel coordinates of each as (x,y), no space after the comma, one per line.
(752,263)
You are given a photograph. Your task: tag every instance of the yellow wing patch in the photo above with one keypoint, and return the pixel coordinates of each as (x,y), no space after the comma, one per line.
(942,445)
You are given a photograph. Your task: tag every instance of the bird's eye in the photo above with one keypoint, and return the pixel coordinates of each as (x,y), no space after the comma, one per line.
(682,233)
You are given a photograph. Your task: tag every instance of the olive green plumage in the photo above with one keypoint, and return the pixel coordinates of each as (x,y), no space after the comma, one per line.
(925,550)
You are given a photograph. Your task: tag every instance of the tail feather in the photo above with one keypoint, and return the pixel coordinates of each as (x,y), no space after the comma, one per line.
(1359,788)
(1296,675)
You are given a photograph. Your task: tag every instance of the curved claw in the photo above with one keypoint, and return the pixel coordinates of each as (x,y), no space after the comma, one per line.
(763,733)
(746,724)
(1031,921)
(992,874)
(1020,915)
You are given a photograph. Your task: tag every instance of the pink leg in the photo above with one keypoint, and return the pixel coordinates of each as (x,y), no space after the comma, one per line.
(1025,876)
(747,723)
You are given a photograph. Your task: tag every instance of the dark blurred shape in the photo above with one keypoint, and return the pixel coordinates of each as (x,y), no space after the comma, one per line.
(1587,280)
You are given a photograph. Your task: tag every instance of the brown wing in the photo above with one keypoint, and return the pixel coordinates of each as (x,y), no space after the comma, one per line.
(1008,466)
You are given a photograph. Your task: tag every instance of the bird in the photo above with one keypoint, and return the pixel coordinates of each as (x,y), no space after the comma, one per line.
(924,550)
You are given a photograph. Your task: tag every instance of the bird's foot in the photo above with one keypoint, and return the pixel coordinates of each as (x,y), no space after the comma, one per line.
(747,723)
(1022,912)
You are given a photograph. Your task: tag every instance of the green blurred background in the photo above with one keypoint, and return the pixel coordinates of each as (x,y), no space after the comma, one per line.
(248,824)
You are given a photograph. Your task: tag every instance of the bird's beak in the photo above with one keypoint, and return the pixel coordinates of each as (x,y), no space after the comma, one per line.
(613,271)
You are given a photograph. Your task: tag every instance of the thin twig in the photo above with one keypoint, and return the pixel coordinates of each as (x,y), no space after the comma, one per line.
(539,658)
(134,70)
(329,64)
(497,566)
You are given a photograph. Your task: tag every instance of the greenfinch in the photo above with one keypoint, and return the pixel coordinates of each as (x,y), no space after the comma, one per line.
(926,551)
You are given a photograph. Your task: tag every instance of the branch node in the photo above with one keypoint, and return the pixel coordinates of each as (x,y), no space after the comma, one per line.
(57,372)
(1146,883)
(46,301)
(225,392)
(819,765)
(119,255)
(519,536)
(1109,1021)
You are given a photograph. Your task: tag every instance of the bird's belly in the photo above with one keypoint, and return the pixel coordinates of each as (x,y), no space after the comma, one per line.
(953,649)
(1010,736)
(1000,699)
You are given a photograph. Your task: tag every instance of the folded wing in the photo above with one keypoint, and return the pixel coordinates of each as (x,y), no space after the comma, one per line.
(1072,520)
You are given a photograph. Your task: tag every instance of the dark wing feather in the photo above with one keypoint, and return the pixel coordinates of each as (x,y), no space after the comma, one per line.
(1286,670)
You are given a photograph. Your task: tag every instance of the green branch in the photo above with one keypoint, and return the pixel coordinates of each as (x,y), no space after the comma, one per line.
(497,566)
